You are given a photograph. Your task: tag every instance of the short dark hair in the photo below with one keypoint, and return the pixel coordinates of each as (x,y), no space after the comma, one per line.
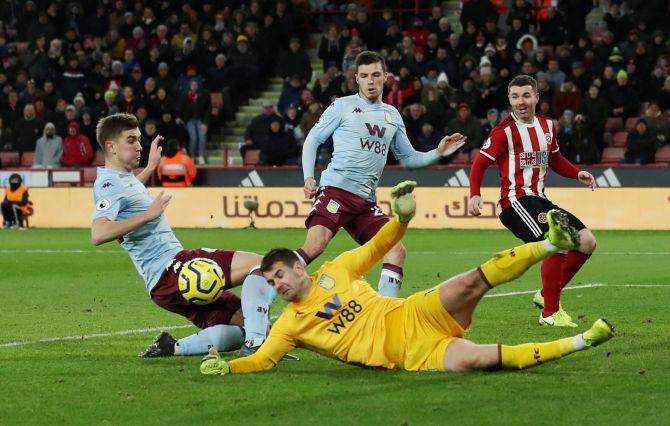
(112,126)
(368,57)
(522,80)
(283,255)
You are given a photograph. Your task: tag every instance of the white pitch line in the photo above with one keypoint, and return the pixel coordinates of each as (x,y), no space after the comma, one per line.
(456,253)
(574,287)
(91,336)
(174,327)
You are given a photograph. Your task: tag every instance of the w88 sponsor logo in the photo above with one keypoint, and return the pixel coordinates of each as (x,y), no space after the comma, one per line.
(373,146)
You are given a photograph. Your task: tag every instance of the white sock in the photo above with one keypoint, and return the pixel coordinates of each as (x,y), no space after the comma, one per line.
(257,295)
(549,246)
(223,337)
(389,283)
(300,258)
(579,343)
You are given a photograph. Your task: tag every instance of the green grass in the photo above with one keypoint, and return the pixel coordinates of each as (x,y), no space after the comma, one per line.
(55,284)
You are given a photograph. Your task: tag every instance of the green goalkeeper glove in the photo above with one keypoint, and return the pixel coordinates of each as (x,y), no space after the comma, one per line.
(213,364)
(403,205)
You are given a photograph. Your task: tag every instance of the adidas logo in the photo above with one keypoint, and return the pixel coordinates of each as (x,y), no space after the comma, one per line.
(357,110)
(460,179)
(608,179)
(253,179)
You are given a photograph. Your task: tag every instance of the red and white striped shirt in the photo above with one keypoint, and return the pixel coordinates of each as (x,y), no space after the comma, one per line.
(524,153)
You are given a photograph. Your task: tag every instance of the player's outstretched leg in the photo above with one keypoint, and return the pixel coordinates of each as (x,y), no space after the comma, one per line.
(462,355)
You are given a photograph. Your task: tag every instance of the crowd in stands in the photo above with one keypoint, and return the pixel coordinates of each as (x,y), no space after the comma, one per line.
(66,64)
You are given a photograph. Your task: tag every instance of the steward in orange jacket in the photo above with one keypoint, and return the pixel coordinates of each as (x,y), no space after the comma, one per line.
(16,206)
(176,168)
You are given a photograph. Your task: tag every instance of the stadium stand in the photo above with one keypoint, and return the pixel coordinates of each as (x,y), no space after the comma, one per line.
(110,58)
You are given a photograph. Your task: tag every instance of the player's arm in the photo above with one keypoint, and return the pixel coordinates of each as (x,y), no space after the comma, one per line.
(410,158)
(562,166)
(104,229)
(494,146)
(322,130)
(359,260)
(278,344)
(154,158)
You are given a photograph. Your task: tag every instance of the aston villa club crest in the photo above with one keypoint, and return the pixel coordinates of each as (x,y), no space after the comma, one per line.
(333,206)
(389,117)
(326,282)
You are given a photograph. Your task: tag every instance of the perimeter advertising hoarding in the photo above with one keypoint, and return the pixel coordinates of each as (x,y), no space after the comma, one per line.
(604,208)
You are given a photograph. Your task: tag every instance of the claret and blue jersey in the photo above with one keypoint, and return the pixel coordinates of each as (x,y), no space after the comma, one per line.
(363,133)
(120,196)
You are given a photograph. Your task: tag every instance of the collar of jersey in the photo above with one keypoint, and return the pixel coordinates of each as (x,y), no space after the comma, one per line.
(521,123)
(368,103)
(113,171)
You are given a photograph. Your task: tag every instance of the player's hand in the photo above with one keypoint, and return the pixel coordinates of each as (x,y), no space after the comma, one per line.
(212,364)
(155,152)
(450,144)
(158,206)
(587,179)
(475,205)
(310,187)
(404,204)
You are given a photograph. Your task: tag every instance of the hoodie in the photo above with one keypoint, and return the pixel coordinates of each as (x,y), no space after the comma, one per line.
(48,151)
(77,150)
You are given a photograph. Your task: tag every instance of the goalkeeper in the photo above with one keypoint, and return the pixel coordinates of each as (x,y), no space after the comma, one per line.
(336,313)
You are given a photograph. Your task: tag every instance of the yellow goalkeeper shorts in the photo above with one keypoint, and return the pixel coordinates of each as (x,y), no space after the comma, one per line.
(420,331)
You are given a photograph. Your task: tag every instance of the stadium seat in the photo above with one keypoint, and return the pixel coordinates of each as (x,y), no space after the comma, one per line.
(614,124)
(9,159)
(27,159)
(90,173)
(252,157)
(462,158)
(619,139)
(607,139)
(99,159)
(613,155)
(663,155)
(630,123)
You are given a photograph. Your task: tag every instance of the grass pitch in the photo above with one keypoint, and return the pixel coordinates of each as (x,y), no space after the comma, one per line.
(56,285)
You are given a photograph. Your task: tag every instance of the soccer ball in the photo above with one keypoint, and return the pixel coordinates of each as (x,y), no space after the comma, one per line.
(201,281)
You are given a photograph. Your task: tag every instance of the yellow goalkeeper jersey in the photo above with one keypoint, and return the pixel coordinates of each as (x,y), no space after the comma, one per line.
(342,317)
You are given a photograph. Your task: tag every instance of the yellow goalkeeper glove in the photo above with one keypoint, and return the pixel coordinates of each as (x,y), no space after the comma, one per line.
(213,364)
(404,204)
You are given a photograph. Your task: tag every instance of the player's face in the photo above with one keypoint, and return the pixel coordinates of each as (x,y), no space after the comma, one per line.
(288,281)
(370,79)
(523,100)
(125,150)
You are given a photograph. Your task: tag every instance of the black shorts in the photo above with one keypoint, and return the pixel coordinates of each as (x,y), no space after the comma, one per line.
(527,218)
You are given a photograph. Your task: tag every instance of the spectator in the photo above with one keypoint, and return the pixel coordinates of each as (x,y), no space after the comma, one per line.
(49,149)
(552,30)
(184,33)
(176,168)
(128,103)
(294,62)
(477,11)
(418,33)
(325,89)
(77,150)
(640,145)
(169,126)
(429,138)
(290,94)
(618,23)
(623,98)
(27,130)
(259,128)
(554,76)
(575,12)
(658,124)
(597,109)
(567,96)
(414,118)
(16,206)
(195,108)
(331,46)
(492,120)
(279,147)
(310,117)
(6,137)
(292,124)
(468,126)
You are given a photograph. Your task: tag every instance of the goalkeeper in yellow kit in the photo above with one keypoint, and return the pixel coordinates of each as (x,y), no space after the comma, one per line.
(335,312)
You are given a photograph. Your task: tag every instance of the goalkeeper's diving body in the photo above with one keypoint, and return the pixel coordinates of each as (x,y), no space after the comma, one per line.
(336,313)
